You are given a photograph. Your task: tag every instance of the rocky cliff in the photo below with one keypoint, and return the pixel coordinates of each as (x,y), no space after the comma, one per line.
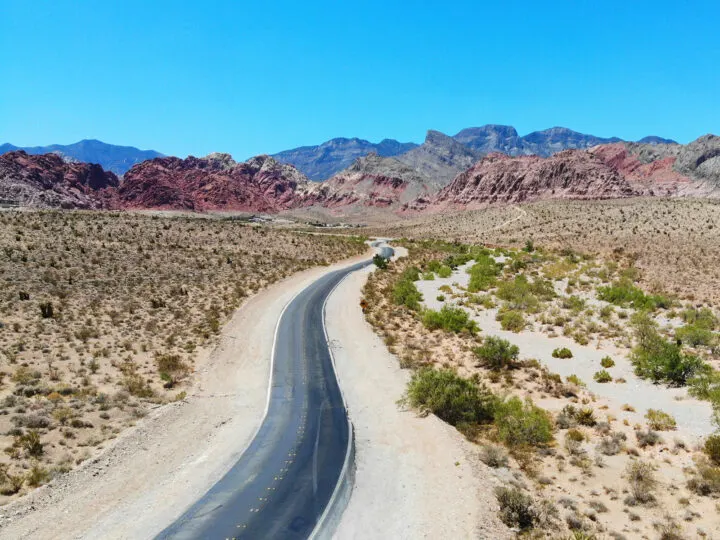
(498,178)
(47,181)
(215,182)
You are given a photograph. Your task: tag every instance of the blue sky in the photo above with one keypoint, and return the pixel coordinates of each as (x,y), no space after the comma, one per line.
(258,77)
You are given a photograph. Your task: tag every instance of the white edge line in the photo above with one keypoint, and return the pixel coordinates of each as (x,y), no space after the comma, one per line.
(351,437)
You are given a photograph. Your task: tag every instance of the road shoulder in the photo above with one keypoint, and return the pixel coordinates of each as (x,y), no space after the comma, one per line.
(415,477)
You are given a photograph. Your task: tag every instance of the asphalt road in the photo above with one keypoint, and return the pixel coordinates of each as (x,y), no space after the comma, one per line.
(282,483)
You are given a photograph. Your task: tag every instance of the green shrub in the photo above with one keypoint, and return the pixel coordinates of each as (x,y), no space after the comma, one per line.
(702,318)
(483,273)
(450,397)
(660,421)
(585,417)
(573,303)
(428,276)
(444,271)
(404,292)
(574,379)
(563,352)
(705,479)
(641,477)
(521,423)
(607,362)
(602,376)
(440,298)
(712,448)
(511,320)
(656,359)
(520,294)
(623,293)
(694,336)
(496,353)
(380,261)
(516,508)
(450,319)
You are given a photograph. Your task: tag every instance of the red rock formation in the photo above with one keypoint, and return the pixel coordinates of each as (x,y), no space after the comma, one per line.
(497,178)
(46,181)
(216,182)
(654,178)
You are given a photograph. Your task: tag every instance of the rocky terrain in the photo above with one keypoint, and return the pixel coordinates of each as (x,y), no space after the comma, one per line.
(215,182)
(117,159)
(370,181)
(499,178)
(322,161)
(47,181)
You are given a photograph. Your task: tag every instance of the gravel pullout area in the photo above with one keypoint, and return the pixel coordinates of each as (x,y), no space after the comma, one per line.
(415,477)
(156,470)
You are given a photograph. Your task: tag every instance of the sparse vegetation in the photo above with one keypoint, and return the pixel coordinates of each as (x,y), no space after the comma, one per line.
(659,420)
(602,376)
(563,352)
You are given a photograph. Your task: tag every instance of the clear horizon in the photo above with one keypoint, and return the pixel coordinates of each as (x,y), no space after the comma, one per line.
(183,78)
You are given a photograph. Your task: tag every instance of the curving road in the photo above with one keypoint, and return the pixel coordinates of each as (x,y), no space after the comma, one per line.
(281,485)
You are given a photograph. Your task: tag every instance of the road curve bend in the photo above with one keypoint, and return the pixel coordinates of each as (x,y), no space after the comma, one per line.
(282,483)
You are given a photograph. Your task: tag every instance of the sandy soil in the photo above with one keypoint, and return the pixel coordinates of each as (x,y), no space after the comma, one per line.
(415,477)
(154,471)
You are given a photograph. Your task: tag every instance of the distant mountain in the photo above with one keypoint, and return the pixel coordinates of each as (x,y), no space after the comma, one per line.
(653,139)
(322,161)
(440,158)
(505,139)
(117,159)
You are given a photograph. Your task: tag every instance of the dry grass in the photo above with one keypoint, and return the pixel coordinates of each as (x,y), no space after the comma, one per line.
(102,316)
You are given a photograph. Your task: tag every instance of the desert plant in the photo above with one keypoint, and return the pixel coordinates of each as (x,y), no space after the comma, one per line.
(712,448)
(31,443)
(705,479)
(695,335)
(623,293)
(602,376)
(641,477)
(493,456)
(37,475)
(563,352)
(647,438)
(497,353)
(585,417)
(511,320)
(46,310)
(452,398)
(607,362)
(612,444)
(660,421)
(483,273)
(171,368)
(516,508)
(444,271)
(449,318)
(405,292)
(380,262)
(521,423)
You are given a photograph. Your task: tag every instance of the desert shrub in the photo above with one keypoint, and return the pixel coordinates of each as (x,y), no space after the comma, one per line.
(563,352)
(607,362)
(573,303)
(612,444)
(585,417)
(516,508)
(623,293)
(705,479)
(11,483)
(521,423)
(496,353)
(511,320)
(641,477)
(602,376)
(440,298)
(483,273)
(380,261)
(449,318)
(31,443)
(137,386)
(712,448)
(660,421)
(428,276)
(575,435)
(702,318)
(574,379)
(46,310)
(523,295)
(647,438)
(37,475)
(444,271)
(493,456)
(31,421)
(656,359)
(171,368)
(449,396)
(694,336)
(404,292)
